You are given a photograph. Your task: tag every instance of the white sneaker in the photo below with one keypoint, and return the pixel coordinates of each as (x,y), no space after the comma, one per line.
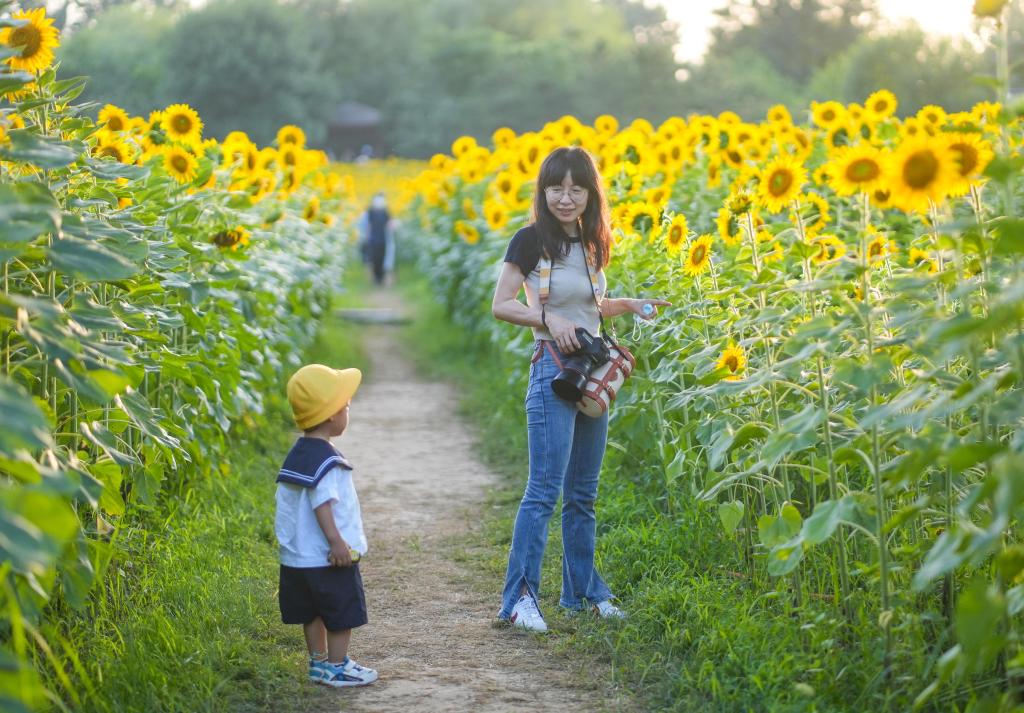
(607,610)
(526,615)
(347,673)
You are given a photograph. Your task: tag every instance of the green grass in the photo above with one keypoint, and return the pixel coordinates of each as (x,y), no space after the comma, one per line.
(186,618)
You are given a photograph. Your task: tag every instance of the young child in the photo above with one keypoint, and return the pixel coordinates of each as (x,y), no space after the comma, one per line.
(320,528)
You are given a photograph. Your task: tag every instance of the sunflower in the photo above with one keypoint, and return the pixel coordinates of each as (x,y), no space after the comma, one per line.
(37,38)
(114,118)
(258,184)
(732,155)
(880,248)
(797,142)
(441,162)
(642,218)
(714,173)
(180,163)
(110,145)
(698,256)
(739,202)
(732,359)
(181,123)
(496,215)
(467,232)
(503,137)
(811,205)
(463,145)
(932,115)
(828,115)
(240,153)
(773,253)
(779,114)
(675,234)
(856,169)
(657,195)
(986,112)
(231,238)
(780,182)
(829,248)
(312,209)
(880,105)
(729,228)
(920,171)
(913,127)
(973,155)
(291,134)
(881,198)
(920,258)
(988,8)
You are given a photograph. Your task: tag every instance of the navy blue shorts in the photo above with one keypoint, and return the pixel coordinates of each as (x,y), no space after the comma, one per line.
(335,594)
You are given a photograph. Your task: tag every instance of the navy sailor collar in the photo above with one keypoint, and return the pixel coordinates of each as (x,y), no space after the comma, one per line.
(309,460)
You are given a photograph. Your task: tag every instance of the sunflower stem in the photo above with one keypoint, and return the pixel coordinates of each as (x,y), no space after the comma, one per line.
(885,618)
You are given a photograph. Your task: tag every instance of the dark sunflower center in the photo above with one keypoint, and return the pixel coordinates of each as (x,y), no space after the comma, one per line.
(733,362)
(111,151)
(862,170)
(828,115)
(921,169)
(780,182)
(875,249)
(697,258)
(642,222)
(28,37)
(881,105)
(179,163)
(182,124)
(966,158)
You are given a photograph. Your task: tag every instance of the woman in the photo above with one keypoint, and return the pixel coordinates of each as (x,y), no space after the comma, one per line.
(570,229)
(377,242)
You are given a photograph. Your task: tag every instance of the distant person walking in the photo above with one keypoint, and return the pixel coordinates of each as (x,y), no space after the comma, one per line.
(377,239)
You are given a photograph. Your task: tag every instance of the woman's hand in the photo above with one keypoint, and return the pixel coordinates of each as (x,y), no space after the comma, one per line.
(563,331)
(639,307)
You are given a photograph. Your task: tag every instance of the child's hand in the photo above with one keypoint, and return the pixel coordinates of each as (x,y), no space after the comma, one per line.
(340,556)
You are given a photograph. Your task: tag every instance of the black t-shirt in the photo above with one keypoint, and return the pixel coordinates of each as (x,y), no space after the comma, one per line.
(524,249)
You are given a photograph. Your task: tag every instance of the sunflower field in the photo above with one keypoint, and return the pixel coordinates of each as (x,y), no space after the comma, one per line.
(834,401)
(155,286)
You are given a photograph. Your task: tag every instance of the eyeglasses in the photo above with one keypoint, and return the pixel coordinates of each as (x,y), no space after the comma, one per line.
(577,193)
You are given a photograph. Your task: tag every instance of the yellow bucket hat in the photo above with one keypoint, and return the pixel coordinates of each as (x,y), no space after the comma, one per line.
(317,392)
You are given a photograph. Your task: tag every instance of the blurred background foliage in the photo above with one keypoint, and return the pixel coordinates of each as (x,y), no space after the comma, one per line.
(442,69)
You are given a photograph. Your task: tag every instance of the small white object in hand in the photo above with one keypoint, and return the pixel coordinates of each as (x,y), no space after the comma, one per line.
(647,309)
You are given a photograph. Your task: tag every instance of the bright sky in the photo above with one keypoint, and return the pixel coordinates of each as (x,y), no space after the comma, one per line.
(695,19)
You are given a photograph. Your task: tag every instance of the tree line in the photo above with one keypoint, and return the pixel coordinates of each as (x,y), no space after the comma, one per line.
(441,69)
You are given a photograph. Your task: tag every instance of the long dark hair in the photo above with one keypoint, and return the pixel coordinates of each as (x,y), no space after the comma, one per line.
(595,231)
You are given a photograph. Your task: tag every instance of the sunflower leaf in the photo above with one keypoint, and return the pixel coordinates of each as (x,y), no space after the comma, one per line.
(42,151)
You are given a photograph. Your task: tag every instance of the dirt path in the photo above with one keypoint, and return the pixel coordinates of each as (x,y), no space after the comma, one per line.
(431,632)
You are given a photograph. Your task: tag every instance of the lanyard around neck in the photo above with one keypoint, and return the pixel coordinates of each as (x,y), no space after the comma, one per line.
(544,289)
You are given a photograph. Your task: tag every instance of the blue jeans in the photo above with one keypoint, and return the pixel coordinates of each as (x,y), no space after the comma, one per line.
(566,450)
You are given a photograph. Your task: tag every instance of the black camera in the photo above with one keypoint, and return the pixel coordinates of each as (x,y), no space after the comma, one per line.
(593,352)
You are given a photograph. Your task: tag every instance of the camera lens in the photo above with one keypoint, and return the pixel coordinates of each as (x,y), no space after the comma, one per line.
(569,384)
